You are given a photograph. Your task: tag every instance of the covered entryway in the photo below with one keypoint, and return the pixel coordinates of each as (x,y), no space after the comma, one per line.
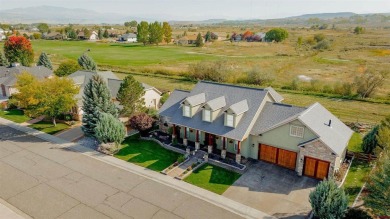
(316,168)
(278,156)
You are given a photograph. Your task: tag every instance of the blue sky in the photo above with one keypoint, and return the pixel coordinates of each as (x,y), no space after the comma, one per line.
(208,9)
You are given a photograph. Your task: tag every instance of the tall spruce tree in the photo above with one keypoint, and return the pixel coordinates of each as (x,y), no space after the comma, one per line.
(87,63)
(130,96)
(3,60)
(370,141)
(199,40)
(96,100)
(44,61)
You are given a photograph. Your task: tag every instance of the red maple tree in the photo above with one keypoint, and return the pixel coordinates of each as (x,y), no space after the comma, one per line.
(19,49)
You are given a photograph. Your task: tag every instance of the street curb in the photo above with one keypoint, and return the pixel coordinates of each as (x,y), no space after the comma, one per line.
(217,200)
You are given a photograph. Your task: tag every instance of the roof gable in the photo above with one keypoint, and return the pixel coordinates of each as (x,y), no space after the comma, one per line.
(196,99)
(240,107)
(216,103)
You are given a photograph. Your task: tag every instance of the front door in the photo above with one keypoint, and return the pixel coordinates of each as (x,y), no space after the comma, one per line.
(316,168)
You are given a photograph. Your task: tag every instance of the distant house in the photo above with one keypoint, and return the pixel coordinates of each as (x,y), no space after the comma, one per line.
(189,39)
(236,37)
(129,37)
(260,37)
(8,77)
(81,36)
(151,97)
(54,36)
(2,36)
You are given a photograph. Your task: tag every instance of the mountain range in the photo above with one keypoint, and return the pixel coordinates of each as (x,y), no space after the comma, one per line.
(61,15)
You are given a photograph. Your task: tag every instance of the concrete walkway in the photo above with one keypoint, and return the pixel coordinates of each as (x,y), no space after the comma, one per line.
(33,121)
(71,134)
(180,169)
(9,212)
(77,175)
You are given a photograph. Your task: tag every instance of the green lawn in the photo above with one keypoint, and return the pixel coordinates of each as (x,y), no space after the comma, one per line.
(355,144)
(212,178)
(147,154)
(14,115)
(356,178)
(48,127)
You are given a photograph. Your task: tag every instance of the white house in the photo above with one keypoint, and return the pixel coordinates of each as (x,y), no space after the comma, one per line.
(129,37)
(94,36)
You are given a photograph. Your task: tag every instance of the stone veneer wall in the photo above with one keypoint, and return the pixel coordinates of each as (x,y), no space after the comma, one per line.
(319,151)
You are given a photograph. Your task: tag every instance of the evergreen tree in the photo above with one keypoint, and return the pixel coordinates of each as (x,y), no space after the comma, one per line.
(87,63)
(100,34)
(199,40)
(155,33)
(369,141)
(328,201)
(143,32)
(378,187)
(105,34)
(96,100)
(109,129)
(44,61)
(130,96)
(207,37)
(167,32)
(3,60)
(383,136)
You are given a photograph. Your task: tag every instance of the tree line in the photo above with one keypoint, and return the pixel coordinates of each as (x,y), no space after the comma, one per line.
(154,33)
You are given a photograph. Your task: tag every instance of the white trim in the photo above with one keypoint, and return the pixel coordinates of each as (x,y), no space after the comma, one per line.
(206,118)
(297,131)
(185,112)
(227,120)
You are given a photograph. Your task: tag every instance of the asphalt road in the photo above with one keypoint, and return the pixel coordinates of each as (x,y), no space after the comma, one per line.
(44,180)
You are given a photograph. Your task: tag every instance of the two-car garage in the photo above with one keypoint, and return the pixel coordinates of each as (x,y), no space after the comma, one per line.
(312,167)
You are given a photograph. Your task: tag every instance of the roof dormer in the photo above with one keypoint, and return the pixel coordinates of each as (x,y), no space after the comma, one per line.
(195,100)
(235,112)
(240,107)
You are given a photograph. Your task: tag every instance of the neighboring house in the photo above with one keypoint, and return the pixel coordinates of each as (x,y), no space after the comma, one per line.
(81,36)
(54,36)
(2,36)
(260,37)
(129,37)
(242,122)
(8,77)
(189,39)
(151,97)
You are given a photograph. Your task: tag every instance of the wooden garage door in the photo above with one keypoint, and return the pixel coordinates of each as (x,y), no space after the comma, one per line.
(278,156)
(287,158)
(268,153)
(316,168)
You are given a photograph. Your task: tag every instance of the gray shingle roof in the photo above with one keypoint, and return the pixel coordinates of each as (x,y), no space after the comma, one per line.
(233,94)
(240,107)
(336,136)
(196,99)
(217,103)
(274,114)
(8,75)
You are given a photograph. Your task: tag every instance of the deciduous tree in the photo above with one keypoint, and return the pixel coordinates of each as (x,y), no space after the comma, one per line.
(143,32)
(66,68)
(369,82)
(87,63)
(44,61)
(43,27)
(167,32)
(199,40)
(130,96)
(19,49)
(276,34)
(155,33)
(141,122)
(328,201)
(96,100)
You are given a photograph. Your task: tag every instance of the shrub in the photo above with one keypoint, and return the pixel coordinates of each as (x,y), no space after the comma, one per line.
(344,89)
(66,68)
(328,201)
(109,129)
(258,77)
(180,159)
(212,71)
(141,122)
(319,37)
(322,45)
(359,30)
(356,213)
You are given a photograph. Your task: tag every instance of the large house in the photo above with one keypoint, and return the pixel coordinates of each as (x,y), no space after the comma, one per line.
(243,122)
(94,36)
(151,97)
(8,77)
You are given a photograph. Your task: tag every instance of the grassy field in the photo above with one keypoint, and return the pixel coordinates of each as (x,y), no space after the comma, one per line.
(356,178)
(212,178)
(355,144)
(147,154)
(48,127)
(14,115)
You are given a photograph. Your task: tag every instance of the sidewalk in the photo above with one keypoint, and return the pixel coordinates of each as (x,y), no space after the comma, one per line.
(71,134)
(10,212)
(218,200)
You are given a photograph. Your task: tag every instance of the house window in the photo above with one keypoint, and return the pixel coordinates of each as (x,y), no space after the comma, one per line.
(229,120)
(207,115)
(187,111)
(296,131)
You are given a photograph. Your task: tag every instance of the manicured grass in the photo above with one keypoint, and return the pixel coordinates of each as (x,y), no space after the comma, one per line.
(48,127)
(14,115)
(212,178)
(147,154)
(355,144)
(356,178)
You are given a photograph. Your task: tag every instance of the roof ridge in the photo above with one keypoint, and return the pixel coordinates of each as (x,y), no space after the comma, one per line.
(232,85)
(182,90)
(308,109)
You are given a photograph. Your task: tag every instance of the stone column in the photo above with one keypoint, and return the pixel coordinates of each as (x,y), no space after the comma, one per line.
(223,151)
(185,141)
(210,146)
(173,131)
(238,155)
(197,144)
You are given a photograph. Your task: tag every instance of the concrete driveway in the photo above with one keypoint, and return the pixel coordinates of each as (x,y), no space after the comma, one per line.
(44,180)
(274,190)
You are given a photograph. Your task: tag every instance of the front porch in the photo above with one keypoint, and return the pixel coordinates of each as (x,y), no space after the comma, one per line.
(217,147)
